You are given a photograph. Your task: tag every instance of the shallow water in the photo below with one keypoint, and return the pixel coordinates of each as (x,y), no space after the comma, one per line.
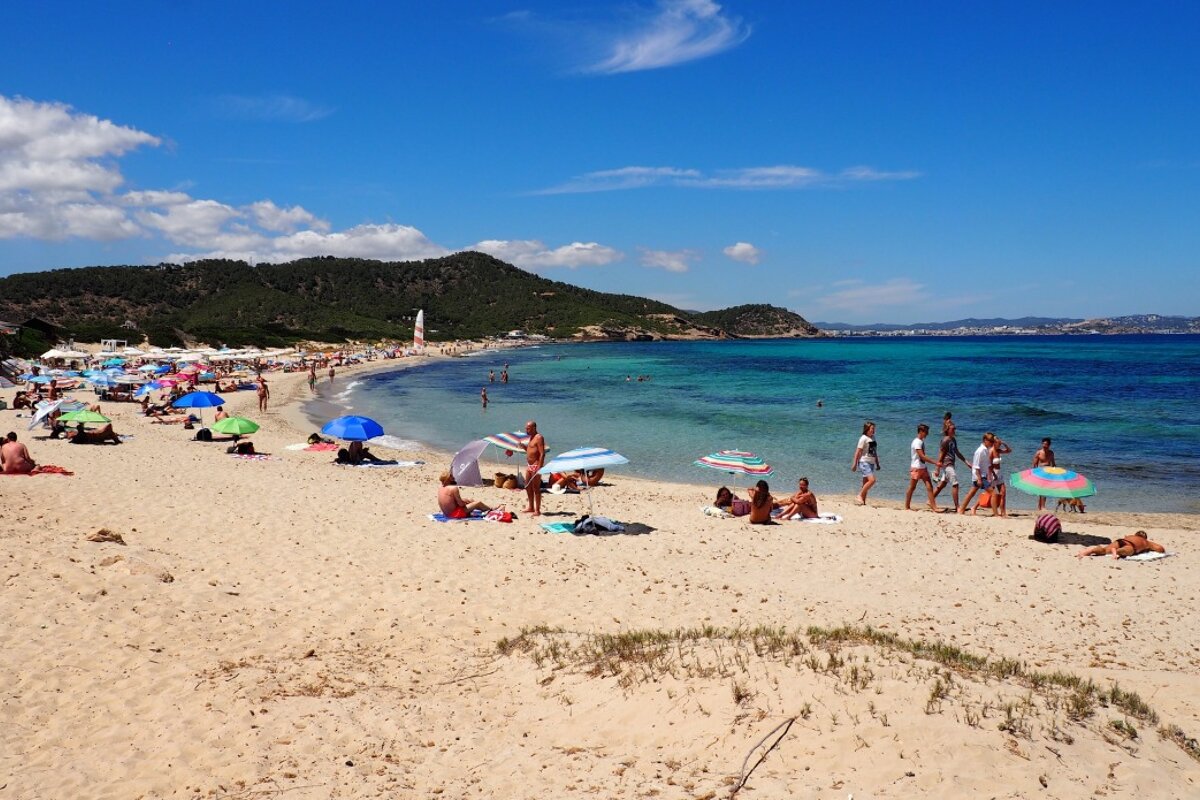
(1119,408)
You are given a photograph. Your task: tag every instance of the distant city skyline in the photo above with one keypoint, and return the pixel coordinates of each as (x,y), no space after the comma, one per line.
(858,162)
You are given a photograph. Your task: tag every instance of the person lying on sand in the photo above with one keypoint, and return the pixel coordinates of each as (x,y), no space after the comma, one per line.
(1131,545)
(451,501)
(14,457)
(727,501)
(802,504)
(99,436)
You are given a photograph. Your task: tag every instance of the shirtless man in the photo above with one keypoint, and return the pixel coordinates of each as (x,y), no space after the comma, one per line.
(1131,545)
(535,457)
(1043,458)
(264,393)
(451,501)
(14,457)
(803,503)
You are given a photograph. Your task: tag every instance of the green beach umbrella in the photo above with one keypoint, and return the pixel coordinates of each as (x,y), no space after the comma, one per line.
(84,416)
(235,426)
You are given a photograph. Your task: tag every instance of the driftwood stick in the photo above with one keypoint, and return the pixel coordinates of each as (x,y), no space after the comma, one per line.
(745,776)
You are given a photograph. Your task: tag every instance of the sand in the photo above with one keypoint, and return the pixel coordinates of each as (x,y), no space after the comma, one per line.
(290,627)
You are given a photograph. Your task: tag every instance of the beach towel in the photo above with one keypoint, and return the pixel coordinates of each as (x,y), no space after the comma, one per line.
(383,464)
(253,456)
(300,446)
(713,511)
(823,519)
(42,469)
(559,527)
(1150,556)
(321,447)
(476,516)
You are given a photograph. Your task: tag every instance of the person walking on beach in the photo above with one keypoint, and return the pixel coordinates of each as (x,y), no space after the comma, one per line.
(483,397)
(918,472)
(535,458)
(866,461)
(264,393)
(996,482)
(948,454)
(1044,457)
(331,374)
(312,378)
(947,422)
(981,470)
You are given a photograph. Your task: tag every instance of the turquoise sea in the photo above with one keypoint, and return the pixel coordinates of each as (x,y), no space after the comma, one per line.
(1120,409)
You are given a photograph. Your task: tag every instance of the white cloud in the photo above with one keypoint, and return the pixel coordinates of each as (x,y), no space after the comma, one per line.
(532,254)
(383,242)
(273,218)
(675,32)
(670,260)
(743,252)
(271,108)
(155,198)
(862,296)
(781,176)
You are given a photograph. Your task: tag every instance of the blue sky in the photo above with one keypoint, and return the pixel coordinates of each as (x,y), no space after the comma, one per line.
(851,161)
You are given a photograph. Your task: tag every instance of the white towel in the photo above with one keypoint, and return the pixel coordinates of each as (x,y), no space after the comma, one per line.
(1149,556)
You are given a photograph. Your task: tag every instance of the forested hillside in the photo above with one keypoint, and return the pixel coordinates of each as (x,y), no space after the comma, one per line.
(465,295)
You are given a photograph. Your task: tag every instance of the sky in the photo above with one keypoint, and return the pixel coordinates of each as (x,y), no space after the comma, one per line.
(852,161)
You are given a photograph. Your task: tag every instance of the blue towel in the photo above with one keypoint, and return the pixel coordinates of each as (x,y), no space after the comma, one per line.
(440,517)
(559,527)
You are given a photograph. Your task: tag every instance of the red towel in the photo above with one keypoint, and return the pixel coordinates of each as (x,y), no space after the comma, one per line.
(50,469)
(322,446)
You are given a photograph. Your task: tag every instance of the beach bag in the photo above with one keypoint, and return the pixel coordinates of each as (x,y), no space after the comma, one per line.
(1047,528)
(204,435)
(500,514)
(500,480)
(597,525)
(739,507)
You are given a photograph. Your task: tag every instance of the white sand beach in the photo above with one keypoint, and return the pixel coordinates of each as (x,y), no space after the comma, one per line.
(288,627)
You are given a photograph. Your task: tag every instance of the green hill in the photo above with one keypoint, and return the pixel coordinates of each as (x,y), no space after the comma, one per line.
(465,295)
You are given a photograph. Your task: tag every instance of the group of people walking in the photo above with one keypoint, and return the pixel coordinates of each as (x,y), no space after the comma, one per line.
(988,487)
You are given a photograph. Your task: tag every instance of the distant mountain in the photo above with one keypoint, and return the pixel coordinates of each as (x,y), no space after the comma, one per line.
(972,322)
(1132,323)
(464,295)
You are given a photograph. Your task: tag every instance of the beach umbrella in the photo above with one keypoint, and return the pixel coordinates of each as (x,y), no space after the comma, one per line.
(44,409)
(235,426)
(517,440)
(127,379)
(585,460)
(148,368)
(85,416)
(113,362)
(42,379)
(145,390)
(199,400)
(352,428)
(101,381)
(736,462)
(1053,482)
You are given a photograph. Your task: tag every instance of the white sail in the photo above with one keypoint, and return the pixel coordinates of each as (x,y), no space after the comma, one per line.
(419,331)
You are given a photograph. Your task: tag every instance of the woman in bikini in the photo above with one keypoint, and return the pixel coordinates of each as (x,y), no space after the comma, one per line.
(1131,545)
(761,503)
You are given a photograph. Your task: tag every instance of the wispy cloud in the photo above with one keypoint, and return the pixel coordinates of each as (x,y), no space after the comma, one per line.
(672,32)
(532,254)
(743,252)
(860,296)
(271,108)
(780,176)
(670,260)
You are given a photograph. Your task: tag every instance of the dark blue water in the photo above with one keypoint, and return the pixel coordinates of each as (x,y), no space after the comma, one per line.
(1121,409)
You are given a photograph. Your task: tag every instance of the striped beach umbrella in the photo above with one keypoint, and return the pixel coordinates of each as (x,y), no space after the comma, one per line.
(516,441)
(584,459)
(737,462)
(1053,482)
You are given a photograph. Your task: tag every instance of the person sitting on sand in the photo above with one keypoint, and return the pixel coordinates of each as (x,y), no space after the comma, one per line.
(761,503)
(589,477)
(22,400)
(1132,545)
(356,454)
(99,436)
(802,504)
(451,501)
(560,482)
(316,438)
(728,501)
(14,457)
(221,414)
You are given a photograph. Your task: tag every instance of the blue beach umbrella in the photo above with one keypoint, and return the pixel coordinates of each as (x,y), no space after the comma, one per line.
(101,381)
(113,362)
(584,459)
(199,400)
(39,379)
(352,428)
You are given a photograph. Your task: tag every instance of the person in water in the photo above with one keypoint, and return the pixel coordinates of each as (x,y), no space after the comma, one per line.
(1131,545)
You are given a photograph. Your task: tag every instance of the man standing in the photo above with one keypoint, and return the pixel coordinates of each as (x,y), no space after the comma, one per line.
(918,471)
(483,397)
(981,470)
(947,455)
(1043,458)
(264,393)
(535,457)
